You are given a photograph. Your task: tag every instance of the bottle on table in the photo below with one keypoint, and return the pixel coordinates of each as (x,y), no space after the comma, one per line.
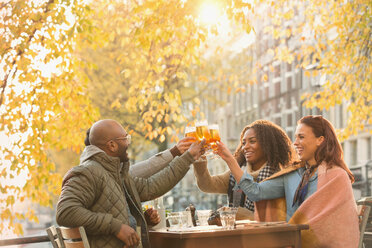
(159,206)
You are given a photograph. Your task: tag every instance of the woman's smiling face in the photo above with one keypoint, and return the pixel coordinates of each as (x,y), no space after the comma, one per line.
(306,143)
(252,149)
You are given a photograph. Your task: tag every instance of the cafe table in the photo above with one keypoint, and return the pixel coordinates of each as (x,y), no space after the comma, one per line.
(260,235)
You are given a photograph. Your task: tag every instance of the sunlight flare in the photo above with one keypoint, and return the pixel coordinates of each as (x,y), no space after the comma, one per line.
(210,13)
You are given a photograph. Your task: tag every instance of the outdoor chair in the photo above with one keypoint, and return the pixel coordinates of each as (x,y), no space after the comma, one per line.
(54,238)
(73,237)
(365,222)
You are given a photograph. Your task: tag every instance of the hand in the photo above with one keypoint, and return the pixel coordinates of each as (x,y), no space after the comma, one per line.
(152,217)
(185,144)
(223,151)
(201,161)
(197,149)
(128,235)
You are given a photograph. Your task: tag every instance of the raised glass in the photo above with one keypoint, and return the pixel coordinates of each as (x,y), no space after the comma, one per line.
(214,132)
(191,132)
(202,131)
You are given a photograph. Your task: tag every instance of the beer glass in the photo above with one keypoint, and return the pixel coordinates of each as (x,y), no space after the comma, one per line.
(190,132)
(214,132)
(202,131)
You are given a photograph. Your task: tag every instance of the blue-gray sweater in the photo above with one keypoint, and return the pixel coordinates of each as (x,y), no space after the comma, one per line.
(282,186)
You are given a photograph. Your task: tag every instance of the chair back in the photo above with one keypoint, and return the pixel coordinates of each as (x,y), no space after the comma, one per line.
(56,241)
(73,237)
(365,221)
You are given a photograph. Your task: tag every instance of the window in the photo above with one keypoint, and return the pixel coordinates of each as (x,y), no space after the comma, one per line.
(277,88)
(277,71)
(289,83)
(289,120)
(266,92)
(290,135)
(298,79)
(288,102)
(289,67)
(262,90)
(340,116)
(353,150)
(276,105)
(278,121)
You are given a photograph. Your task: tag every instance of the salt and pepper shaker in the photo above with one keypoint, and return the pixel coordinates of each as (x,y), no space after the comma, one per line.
(191,208)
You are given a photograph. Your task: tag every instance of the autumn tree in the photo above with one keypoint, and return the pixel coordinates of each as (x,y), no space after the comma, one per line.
(43,100)
(149,47)
(43,96)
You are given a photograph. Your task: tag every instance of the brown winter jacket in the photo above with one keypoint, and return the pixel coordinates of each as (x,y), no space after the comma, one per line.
(93,195)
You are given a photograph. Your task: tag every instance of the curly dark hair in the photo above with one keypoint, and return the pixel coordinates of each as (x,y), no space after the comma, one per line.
(275,144)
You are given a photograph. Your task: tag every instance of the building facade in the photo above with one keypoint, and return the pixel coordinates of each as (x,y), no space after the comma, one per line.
(277,97)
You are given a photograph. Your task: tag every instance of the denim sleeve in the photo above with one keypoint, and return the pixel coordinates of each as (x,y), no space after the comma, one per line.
(270,189)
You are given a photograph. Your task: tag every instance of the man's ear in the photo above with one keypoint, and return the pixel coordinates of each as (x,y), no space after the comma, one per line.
(319,140)
(112,146)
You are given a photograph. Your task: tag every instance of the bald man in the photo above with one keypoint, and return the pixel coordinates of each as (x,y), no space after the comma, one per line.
(102,196)
(157,162)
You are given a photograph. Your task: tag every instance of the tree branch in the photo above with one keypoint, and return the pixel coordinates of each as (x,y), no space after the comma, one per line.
(20,53)
(3,5)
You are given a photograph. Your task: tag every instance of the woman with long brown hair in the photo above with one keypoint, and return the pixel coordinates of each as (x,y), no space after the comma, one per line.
(315,191)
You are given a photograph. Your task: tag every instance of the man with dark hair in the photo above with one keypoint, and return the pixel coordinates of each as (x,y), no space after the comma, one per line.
(102,196)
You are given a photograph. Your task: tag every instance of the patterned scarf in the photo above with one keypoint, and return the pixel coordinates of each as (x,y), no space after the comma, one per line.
(303,187)
(265,172)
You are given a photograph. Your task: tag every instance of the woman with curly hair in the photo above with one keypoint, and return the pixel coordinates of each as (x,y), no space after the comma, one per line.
(315,191)
(264,149)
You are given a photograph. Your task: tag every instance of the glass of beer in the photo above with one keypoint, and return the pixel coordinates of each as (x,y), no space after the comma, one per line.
(202,131)
(190,132)
(214,132)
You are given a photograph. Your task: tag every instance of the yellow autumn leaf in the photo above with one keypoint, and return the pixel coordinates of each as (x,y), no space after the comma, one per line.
(169,130)
(264,78)
(159,118)
(203,79)
(115,104)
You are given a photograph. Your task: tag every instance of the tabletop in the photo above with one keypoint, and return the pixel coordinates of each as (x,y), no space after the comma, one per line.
(247,236)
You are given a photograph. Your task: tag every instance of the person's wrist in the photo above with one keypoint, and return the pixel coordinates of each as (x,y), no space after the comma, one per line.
(175,151)
(194,155)
(230,159)
(116,226)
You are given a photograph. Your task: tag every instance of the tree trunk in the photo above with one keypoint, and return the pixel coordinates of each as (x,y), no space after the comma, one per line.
(163,146)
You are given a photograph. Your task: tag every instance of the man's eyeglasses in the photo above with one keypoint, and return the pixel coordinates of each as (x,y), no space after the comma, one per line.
(128,138)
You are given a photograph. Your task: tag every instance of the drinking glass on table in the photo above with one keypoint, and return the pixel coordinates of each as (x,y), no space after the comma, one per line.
(228,215)
(203,216)
(184,218)
(174,220)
